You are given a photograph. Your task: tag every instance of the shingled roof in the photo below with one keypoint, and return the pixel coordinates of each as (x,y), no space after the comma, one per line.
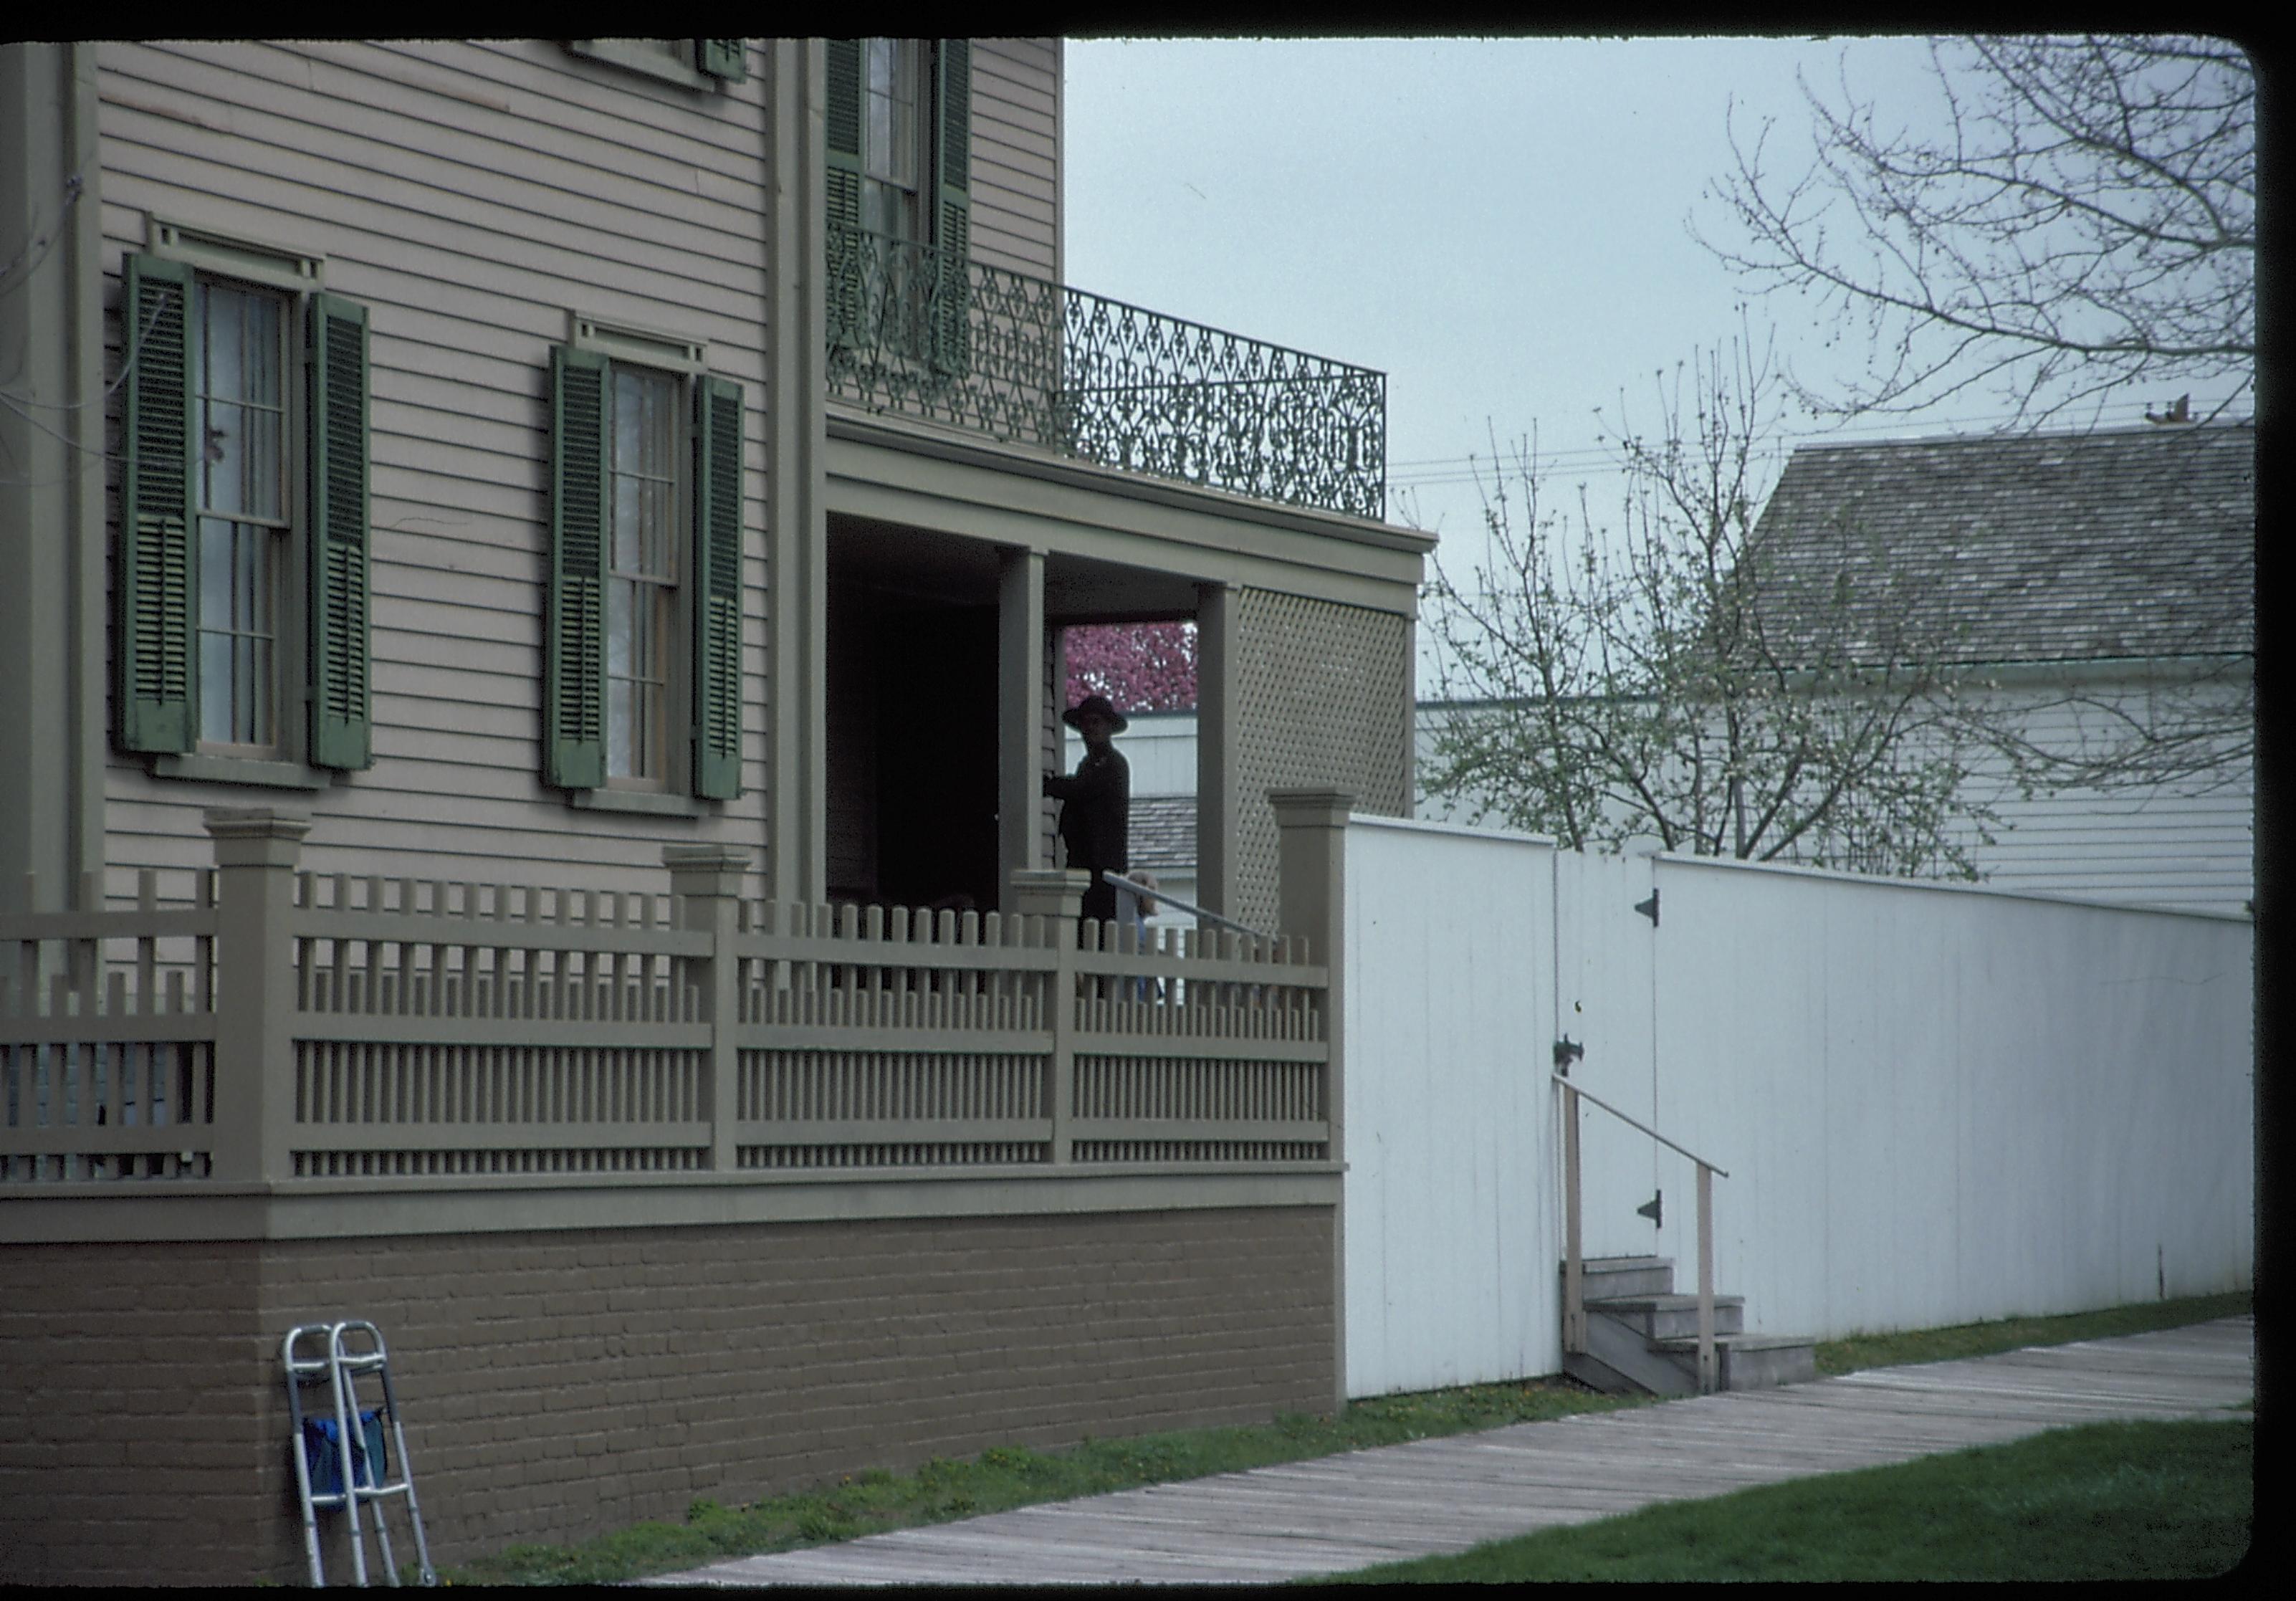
(2125,543)
(1163,832)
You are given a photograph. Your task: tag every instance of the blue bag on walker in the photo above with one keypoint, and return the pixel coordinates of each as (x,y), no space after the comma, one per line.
(324,1456)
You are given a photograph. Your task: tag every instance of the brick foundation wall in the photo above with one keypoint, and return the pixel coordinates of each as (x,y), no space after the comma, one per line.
(130,1450)
(557,1384)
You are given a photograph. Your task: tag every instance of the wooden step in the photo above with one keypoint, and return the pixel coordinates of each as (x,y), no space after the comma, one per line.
(1752,1361)
(1642,1336)
(1668,1317)
(1608,1276)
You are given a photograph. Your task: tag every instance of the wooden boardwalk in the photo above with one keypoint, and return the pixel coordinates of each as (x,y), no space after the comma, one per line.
(1341,1513)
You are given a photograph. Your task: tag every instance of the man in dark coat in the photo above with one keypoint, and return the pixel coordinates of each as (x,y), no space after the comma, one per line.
(1095,803)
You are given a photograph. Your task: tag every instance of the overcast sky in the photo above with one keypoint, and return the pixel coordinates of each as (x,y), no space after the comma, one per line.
(1497,224)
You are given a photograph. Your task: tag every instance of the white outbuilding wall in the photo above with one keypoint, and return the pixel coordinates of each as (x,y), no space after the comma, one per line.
(1450,1125)
(1936,1104)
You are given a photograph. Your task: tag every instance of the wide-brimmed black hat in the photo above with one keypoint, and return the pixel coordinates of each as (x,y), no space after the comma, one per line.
(1074,715)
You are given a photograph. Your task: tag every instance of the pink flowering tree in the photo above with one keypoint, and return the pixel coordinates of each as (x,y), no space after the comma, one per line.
(1139,666)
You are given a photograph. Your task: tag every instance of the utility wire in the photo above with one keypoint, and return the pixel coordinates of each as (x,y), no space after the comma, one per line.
(1426,472)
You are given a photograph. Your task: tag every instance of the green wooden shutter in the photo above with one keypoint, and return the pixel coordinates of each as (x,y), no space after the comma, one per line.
(157,576)
(721,58)
(717,589)
(842,136)
(338,540)
(574,648)
(952,205)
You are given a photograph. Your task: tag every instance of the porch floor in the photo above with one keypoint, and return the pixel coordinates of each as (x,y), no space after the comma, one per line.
(1433,1496)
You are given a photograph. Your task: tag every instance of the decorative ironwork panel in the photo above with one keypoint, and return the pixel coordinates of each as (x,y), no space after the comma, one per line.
(1043,364)
(1323,696)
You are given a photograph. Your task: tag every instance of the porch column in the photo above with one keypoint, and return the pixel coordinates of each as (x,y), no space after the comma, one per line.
(797,517)
(53,644)
(1216,809)
(1020,712)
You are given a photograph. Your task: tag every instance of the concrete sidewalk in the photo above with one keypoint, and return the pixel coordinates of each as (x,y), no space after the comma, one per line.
(1336,1514)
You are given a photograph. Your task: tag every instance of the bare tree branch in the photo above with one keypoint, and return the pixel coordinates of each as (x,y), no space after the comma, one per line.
(1602,693)
(2086,220)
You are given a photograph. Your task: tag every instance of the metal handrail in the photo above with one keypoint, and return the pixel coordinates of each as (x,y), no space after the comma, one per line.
(1645,1127)
(1174,900)
(1574,1293)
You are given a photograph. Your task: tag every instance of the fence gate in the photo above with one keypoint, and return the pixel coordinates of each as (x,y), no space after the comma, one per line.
(1605,953)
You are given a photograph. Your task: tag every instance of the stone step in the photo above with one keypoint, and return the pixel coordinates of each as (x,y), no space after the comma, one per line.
(1667,1317)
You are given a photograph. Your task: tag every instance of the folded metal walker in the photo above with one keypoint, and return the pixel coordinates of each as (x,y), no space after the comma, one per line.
(348,1457)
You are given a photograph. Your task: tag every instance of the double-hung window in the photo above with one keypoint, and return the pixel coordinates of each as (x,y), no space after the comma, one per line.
(241,579)
(899,139)
(895,150)
(642,685)
(240,496)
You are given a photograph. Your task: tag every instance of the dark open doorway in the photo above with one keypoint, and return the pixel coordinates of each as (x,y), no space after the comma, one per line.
(911,705)
(936,756)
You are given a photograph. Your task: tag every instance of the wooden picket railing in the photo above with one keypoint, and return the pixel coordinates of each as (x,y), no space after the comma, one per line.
(106,1053)
(287,1027)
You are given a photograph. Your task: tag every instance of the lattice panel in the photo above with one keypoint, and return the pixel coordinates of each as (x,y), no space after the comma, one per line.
(1322,697)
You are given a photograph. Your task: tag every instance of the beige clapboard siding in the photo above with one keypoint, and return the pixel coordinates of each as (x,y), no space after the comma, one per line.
(463,262)
(469,196)
(372,239)
(403,837)
(415,551)
(525,215)
(475,250)
(1016,155)
(421,726)
(375,95)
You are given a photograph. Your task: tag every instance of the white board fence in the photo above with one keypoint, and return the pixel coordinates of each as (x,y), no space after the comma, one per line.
(1937,1104)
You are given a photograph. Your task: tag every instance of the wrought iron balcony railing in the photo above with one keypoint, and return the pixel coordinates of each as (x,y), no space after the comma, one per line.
(918,332)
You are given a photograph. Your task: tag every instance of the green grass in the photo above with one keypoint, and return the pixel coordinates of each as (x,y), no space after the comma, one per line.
(2108,1500)
(2013,1333)
(1011,1475)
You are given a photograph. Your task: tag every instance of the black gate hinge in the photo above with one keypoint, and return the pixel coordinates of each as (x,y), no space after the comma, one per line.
(1649,908)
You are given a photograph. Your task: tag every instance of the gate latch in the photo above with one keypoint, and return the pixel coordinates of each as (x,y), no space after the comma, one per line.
(1567,1051)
